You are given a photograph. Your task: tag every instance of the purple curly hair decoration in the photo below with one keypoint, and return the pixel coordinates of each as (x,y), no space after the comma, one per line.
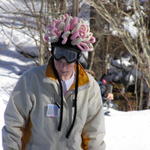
(75,28)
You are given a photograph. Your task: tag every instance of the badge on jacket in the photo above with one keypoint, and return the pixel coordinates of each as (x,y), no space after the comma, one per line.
(52,111)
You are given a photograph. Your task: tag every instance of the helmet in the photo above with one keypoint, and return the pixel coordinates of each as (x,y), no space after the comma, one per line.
(70,32)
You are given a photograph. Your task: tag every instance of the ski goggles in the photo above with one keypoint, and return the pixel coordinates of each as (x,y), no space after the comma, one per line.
(69,55)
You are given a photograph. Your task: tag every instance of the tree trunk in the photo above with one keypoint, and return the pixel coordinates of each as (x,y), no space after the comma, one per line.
(75,8)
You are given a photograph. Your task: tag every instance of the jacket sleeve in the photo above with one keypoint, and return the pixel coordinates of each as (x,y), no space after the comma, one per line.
(94,129)
(16,116)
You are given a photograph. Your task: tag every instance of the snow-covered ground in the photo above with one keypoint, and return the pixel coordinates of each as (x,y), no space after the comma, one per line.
(128,130)
(124,130)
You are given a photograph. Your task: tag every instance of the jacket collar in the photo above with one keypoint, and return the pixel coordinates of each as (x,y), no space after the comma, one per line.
(83,77)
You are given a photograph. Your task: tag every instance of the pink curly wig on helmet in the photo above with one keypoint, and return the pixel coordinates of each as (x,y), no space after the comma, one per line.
(72,29)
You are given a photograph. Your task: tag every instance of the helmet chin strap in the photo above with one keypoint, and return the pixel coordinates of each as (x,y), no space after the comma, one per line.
(74,101)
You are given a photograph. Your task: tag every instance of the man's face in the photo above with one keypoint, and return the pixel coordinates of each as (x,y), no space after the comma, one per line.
(64,69)
(64,61)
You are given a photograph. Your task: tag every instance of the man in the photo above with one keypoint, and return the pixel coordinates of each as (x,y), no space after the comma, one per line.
(106,89)
(57,106)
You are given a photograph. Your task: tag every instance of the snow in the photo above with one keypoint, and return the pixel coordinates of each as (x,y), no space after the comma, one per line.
(128,130)
(124,130)
(129,25)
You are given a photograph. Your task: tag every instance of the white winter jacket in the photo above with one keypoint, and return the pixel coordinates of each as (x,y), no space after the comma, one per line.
(32,114)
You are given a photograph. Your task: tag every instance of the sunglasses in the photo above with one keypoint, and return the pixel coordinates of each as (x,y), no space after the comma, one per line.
(69,55)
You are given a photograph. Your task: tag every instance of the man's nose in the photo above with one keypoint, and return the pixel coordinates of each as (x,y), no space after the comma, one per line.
(63,62)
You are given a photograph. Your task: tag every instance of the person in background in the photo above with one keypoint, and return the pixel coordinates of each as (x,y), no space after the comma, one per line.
(107,94)
(106,89)
(57,106)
